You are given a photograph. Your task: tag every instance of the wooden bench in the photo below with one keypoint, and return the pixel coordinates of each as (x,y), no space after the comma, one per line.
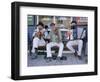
(54,56)
(55,48)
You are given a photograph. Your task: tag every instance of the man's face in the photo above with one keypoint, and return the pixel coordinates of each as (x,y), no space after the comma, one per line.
(73,24)
(53,27)
(40,27)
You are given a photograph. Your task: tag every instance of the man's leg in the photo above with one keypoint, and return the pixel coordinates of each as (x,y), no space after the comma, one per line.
(41,42)
(48,47)
(79,51)
(70,46)
(49,55)
(61,46)
(80,45)
(35,46)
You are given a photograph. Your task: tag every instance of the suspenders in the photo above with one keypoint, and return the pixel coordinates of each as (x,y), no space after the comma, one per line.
(82,33)
(77,36)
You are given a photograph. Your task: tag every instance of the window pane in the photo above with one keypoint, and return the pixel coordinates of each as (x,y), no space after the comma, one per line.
(30,20)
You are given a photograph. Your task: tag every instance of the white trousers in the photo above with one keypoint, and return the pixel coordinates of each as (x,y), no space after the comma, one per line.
(52,44)
(75,42)
(37,42)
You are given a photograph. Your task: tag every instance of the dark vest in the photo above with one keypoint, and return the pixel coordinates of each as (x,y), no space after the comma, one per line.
(74,32)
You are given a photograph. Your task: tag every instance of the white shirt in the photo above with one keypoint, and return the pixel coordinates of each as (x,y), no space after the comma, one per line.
(37,30)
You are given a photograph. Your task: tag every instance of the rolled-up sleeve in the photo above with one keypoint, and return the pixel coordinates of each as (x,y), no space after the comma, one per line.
(60,36)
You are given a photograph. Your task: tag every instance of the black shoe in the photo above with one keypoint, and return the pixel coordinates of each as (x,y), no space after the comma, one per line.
(33,55)
(79,57)
(63,58)
(48,59)
(59,59)
(75,54)
(54,57)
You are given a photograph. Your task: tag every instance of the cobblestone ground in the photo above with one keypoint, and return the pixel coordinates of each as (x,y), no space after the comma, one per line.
(71,60)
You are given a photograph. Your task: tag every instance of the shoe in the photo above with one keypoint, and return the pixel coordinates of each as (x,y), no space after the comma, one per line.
(63,58)
(59,59)
(48,59)
(54,57)
(79,57)
(33,55)
(75,54)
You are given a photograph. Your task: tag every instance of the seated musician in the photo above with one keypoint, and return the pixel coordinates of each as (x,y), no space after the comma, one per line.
(55,40)
(74,40)
(38,39)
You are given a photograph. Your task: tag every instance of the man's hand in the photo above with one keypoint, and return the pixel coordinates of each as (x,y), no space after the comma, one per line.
(59,41)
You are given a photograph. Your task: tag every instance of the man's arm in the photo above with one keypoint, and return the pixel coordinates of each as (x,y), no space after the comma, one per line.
(60,36)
